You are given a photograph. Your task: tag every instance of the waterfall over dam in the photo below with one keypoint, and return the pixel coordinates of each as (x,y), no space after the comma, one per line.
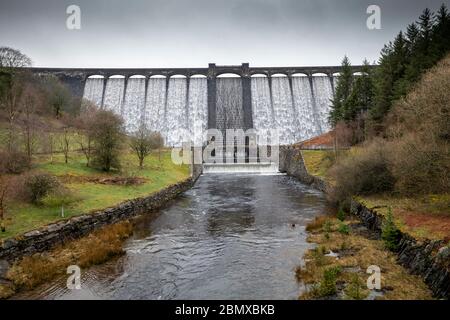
(183,103)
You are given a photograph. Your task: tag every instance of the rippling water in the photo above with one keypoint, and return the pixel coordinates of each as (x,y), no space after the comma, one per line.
(229,237)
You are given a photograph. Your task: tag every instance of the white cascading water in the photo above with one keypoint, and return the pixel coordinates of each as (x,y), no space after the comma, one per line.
(283,110)
(184,116)
(175,128)
(134,104)
(155,106)
(93,90)
(323,93)
(303,119)
(114,95)
(229,110)
(307,125)
(263,118)
(198,110)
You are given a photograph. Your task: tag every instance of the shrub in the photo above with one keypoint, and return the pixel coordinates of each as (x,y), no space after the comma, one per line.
(354,289)
(363,172)
(107,135)
(421,165)
(343,228)
(14,162)
(318,255)
(327,285)
(327,226)
(341,214)
(39,185)
(58,199)
(389,232)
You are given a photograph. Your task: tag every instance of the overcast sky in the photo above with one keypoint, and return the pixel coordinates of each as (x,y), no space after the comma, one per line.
(192,33)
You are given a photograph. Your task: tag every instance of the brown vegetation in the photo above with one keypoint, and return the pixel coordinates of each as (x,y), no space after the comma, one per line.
(364,171)
(344,276)
(414,156)
(113,180)
(317,223)
(95,248)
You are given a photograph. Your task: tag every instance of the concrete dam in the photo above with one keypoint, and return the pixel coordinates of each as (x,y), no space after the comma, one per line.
(182,103)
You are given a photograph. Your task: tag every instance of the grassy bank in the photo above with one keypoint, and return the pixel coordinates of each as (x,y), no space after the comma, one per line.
(426,216)
(92,189)
(96,248)
(336,267)
(318,162)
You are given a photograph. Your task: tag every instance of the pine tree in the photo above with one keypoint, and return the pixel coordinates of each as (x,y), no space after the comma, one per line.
(441,34)
(400,62)
(361,95)
(389,84)
(383,86)
(422,56)
(412,35)
(342,92)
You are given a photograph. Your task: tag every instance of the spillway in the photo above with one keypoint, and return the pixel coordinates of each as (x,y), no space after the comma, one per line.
(177,107)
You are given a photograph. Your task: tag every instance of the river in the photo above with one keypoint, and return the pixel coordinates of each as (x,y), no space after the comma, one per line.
(229,237)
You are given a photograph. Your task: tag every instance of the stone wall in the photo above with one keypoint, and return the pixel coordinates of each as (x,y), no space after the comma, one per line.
(428,259)
(56,233)
(291,162)
(197,170)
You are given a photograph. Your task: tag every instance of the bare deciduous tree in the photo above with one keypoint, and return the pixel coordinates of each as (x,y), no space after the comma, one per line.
(65,144)
(157,142)
(12,58)
(141,144)
(3,193)
(84,124)
(10,101)
(11,87)
(31,99)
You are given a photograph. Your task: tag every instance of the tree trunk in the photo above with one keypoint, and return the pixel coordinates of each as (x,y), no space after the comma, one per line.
(335,144)
(2,218)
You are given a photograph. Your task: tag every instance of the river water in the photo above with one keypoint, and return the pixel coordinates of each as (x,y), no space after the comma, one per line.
(229,237)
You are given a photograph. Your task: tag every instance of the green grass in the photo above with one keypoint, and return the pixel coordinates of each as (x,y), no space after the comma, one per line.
(22,217)
(318,162)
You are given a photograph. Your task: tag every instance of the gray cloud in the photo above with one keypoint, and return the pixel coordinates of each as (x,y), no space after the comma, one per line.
(178,33)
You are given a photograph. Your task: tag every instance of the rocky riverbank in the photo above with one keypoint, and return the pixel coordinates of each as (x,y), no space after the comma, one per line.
(428,259)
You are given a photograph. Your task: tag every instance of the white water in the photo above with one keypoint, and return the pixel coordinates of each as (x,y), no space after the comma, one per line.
(175,129)
(283,109)
(155,107)
(323,93)
(263,117)
(229,110)
(183,116)
(198,110)
(93,90)
(114,95)
(301,119)
(134,104)
(308,125)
